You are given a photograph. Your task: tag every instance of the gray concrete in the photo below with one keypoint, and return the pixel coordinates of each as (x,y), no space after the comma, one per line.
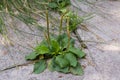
(101,35)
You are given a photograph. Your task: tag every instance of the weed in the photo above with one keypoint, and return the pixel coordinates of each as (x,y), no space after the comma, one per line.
(58,4)
(59,50)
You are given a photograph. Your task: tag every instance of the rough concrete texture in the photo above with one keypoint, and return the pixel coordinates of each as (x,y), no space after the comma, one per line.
(101,35)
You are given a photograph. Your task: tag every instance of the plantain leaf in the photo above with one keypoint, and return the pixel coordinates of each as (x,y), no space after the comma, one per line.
(53,5)
(42,49)
(77,70)
(39,66)
(31,56)
(60,39)
(71,58)
(55,46)
(54,67)
(63,40)
(77,52)
(61,61)
(64,70)
(51,65)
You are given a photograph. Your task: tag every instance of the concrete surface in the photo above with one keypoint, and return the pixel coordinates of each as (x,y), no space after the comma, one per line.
(101,35)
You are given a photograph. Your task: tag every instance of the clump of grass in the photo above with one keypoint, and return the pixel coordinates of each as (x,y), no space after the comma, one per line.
(24,10)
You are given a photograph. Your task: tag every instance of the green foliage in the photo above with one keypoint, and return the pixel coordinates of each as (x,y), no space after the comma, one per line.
(77,70)
(58,4)
(54,46)
(75,20)
(40,66)
(23,10)
(77,52)
(59,49)
(31,56)
(71,58)
(62,59)
(54,67)
(42,49)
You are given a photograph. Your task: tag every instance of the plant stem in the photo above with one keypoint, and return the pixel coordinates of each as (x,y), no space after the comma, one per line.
(68,32)
(48,33)
(61,21)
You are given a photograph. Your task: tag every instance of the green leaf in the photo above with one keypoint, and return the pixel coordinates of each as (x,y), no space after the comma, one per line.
(60,39)
(71,58)
(64,70)
(53,5)
(61,5)
(54,67)
(31,56)
(63,40)
(42,49)
(61,61)
(77,52)
(77,70)
(39,66)
(55,46)
(51,65)
(63,10)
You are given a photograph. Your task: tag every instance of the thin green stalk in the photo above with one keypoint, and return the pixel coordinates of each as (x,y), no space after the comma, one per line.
(61,21)
(48,33)
(68,32)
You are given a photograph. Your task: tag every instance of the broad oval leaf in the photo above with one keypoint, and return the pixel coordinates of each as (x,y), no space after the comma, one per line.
(31,56)
(77,52)
(51,64)
(61,61)
(55,46)
(39,66)
(64,70)
(53,5)
(71,58)
(42,49)
(77,70)
(60,40)
(54,67)
(63,40)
